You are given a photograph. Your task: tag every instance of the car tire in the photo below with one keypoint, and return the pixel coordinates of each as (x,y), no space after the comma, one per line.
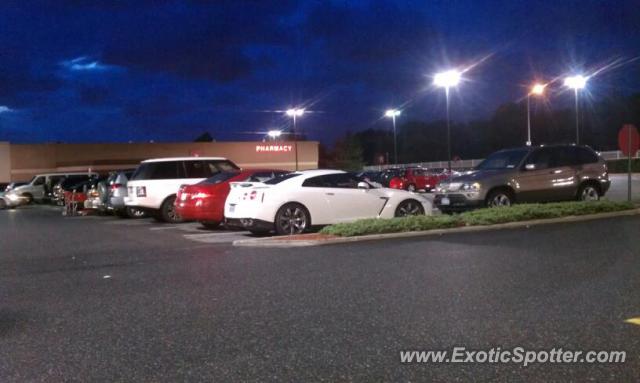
(133,212)
(409,207)
(168,212)
(28,198)
(292,218)
(210,225)
(3,204)
(588,192)
(500,198)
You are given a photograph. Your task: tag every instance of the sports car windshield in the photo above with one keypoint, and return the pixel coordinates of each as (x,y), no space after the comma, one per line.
(504,159)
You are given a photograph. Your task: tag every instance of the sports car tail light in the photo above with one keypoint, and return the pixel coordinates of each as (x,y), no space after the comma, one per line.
(116,186)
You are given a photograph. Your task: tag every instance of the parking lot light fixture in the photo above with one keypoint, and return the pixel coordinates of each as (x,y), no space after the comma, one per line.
(576,83)
(446,80)
(295,113)
(393,113)
(274,134)
(536,90)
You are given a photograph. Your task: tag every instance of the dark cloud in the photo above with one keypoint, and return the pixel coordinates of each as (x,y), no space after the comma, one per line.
(93,95)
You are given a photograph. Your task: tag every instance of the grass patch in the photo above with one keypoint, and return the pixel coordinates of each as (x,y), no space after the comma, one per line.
(521,212)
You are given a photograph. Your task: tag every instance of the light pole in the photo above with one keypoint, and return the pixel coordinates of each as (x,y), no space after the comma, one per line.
(294,113)
(447,80)
(393,113)
(536,90)
(274,134)
(576,83)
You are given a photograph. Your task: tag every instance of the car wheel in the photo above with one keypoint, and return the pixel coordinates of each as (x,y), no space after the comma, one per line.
(499,198)
(168,211)
(28,198)
(292,218)
(132,212)
(411,188)
(210,225)
(588,192)
(408,208)
(3,204)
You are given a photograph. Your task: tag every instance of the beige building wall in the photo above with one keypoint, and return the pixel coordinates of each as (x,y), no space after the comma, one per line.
(5,162)
(27,160)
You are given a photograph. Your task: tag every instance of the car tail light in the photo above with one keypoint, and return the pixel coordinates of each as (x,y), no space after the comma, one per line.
(116,186)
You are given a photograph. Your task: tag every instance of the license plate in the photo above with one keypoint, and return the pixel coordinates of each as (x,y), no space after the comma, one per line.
(445,201)
(232,208)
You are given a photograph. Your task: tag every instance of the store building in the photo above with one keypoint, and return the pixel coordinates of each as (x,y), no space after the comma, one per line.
(19,162)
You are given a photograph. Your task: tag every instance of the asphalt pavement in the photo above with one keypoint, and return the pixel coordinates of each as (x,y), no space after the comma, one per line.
(105,299)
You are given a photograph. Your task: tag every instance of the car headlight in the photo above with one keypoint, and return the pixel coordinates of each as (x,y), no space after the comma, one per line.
(13,197)
(474,187)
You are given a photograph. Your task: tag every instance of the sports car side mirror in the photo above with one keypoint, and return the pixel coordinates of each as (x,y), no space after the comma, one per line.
(363,185)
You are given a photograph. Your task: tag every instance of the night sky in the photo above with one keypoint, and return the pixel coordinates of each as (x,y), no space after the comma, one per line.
(94,71)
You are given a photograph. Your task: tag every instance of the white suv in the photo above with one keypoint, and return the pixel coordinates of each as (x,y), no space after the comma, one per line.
(154,184)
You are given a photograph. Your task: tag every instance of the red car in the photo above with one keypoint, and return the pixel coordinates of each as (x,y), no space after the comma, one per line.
(414,179)
(204,201)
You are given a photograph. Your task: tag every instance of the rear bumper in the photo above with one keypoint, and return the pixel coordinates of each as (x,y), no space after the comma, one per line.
(249,224)
(193,213)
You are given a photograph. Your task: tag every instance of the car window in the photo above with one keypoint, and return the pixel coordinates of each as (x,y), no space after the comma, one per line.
(586,156)
(541,158)
(220,177)
(341,181)
(282,177)
(38,181)
(159,170)
(563,156)
(260,177)
(197,169)
(504,159)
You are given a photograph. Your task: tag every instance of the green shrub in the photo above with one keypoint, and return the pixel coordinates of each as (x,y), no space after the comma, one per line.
(521,212)
(620,166)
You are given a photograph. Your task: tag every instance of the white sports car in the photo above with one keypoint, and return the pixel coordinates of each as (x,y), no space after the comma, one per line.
(291,203)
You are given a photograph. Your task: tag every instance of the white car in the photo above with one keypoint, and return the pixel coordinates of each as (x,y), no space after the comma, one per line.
(291,203)
(155,183)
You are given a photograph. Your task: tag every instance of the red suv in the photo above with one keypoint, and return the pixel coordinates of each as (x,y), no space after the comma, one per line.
(204,201)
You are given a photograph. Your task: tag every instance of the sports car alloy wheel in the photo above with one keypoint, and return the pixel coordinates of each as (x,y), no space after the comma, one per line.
(408,208)
(291,219)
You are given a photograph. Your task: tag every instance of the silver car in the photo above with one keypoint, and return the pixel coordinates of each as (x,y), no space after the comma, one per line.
(529,174)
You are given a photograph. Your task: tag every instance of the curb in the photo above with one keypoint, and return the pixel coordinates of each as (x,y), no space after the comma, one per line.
(280,243)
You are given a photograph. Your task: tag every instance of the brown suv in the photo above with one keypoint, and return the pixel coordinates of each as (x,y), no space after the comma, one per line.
(529,174)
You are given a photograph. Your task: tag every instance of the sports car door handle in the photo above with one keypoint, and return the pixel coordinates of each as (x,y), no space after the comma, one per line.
(330,194)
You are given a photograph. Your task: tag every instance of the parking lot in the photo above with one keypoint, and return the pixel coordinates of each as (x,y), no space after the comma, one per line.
(104,298)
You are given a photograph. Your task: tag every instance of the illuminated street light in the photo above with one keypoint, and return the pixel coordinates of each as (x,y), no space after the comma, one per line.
(393,113)
(447,80)
(274,134)
(294,113)
(536,90)
(576,83)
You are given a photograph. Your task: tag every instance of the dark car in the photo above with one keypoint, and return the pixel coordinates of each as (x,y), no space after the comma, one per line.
(529,174)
